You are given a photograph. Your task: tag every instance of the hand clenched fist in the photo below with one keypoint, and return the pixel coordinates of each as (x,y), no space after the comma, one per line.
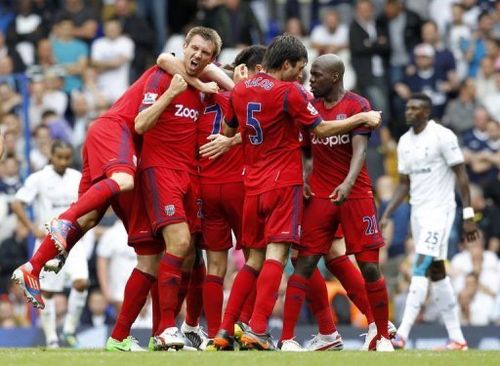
(177,85)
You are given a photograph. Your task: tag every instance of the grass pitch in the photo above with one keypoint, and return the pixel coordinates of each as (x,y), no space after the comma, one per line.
(42,357)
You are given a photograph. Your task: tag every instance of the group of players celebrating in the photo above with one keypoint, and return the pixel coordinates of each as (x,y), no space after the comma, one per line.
(184,163)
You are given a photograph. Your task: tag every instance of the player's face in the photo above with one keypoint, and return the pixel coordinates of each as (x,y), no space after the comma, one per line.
(61,158)
(198,53)
(320,81)
(416,112)
(292,73)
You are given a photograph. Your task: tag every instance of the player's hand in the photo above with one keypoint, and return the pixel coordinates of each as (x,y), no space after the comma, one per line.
(217,145)
(307,191)
(372,118)
(177,85)
(339,194)
(240,73)
(384,221)
(210,88)
(469,230)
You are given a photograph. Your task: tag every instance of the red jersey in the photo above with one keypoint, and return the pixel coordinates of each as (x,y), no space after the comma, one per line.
(227,168)
(124,110)
(332,155)
(271,113)
(172,142)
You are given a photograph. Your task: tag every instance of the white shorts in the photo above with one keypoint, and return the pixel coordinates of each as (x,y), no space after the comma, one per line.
(75,268)
(431,230)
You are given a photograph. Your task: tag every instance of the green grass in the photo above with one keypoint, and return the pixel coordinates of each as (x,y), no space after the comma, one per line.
(42,357)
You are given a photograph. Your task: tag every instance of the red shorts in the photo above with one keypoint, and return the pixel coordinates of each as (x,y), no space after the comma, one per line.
(222,210)
(194,205)
(272,217)
(109,146)
(358,218)
(131,209)
(170,198)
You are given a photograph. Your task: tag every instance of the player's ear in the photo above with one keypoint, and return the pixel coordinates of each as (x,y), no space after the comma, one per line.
(258,67)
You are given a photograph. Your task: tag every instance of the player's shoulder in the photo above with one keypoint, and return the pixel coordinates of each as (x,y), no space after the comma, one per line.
(440,130)
(356,100)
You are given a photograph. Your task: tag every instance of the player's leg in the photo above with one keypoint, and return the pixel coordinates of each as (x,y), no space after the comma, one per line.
(76,303)
(445,299)
(48,320)
(377,296)
(213,290)
(139,284)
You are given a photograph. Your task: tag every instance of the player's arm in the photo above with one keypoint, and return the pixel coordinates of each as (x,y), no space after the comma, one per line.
(359,147)
(469,226)
(217,77)
(402,191)
(326,128)
(147,118)
(19,209)
(219,144)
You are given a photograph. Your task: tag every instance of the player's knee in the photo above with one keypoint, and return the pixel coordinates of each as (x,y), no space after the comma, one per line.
(80,285)
(437,271)
(306,265)
(124,180)
(217,268)
(370,271)
(148,264)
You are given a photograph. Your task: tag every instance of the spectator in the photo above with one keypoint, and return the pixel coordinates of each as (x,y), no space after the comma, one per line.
(457,33)
(492,101)
(25,31)
(7,319)
(54,98)
(459,112)
(96,100)
(82,16)
(9,51)
(138,29)
(156,11)
(403,28)
(97,313)
(487,216)
(40,151)
(485,81)
(69,52)
(82,117)
(13,253)
(476,305)
(477,152)
(112,55)
(58,126)
(235,22)
(10,100)
(475,47)
(331,36)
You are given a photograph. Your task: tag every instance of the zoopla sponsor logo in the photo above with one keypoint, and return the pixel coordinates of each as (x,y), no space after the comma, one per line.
(332,140)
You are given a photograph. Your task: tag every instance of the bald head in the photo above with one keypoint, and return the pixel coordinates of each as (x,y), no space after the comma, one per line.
(330,63)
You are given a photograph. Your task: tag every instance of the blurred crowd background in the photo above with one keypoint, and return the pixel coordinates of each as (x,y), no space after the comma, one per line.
(62,63)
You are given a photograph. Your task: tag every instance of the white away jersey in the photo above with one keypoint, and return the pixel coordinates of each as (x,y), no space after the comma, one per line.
(426,158)
(50,192)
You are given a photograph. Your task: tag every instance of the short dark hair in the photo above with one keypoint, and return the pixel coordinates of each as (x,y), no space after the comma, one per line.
(251,56)
(60,144)
(63,18)
(282,48)
(423,98)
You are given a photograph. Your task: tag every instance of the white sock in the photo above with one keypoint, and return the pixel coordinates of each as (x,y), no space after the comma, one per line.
(76,303)
(416,296)
(48,319)
(446,302)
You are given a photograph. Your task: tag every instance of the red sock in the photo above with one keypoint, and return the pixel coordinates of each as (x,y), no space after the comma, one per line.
(169,280)
(183,289)
(194,297)
(377,295)
(351,279)
(155,304)
(246,312)
(48,250)
(136,293)
(213,297)
(294,298)
(317,297)
(242,286)
(267,291)
(96,196)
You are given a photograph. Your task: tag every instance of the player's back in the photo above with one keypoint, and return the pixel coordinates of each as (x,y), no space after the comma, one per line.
(125,109)
(269,112)
(228,167)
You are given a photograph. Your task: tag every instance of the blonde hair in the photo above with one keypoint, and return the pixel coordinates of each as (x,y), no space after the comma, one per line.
(207,34)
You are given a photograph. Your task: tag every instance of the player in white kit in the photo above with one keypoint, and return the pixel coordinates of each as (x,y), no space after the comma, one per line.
(51,191)
(429,163)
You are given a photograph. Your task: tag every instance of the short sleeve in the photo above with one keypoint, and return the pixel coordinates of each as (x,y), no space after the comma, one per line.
(403,166)
(233,121)
(296,103)
(155,86)
(224,102)
(28,192)
(360,104)
(449,147)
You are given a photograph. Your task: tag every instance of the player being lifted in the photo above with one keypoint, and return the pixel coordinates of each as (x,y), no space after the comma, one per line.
(341,193)
(270,109)
(429,162)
